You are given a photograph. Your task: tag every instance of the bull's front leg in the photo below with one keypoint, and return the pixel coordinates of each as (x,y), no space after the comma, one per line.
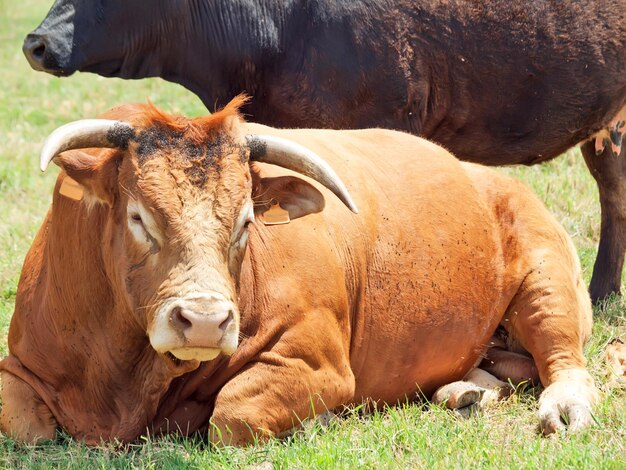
(297,379)
(551,318)
(24,416)
(609,171)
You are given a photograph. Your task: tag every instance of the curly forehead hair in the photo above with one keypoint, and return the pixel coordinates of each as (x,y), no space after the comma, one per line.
(195,130)
(196,144)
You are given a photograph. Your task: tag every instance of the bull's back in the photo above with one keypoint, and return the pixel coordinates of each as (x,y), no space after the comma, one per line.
(421,260)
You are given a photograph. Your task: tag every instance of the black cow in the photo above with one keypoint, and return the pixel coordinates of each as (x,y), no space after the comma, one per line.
(495,81)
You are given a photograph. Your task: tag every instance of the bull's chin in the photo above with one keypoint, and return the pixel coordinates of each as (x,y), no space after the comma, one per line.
(195,354)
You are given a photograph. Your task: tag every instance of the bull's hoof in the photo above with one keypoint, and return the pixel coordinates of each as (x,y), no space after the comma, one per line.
(463,398)
(566,405)
(570,417)
(467,411)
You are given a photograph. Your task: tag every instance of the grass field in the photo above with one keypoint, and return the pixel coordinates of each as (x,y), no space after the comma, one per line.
(409,436)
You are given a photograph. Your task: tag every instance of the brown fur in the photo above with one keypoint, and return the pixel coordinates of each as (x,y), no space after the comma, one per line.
(197,130)
(335,308)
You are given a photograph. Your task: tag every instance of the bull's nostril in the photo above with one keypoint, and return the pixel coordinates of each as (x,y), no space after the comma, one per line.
(226,322)
(39,51)
(179,319)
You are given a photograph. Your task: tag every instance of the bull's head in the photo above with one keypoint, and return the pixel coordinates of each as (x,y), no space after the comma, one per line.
(179,194)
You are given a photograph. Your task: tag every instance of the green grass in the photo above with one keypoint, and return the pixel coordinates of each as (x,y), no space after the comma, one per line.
(33,104)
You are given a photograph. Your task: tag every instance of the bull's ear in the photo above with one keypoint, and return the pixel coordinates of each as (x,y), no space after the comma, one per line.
(94,178)
(292,194)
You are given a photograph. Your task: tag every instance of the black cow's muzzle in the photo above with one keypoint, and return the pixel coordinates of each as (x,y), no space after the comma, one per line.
(40,56)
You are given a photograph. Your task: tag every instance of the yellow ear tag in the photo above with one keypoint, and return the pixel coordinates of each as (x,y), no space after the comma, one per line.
(70,188)
(275,215)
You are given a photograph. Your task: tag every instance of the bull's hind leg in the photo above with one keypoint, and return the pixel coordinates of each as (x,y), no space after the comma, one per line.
(477,390)
(499,371)
(512,366)
(609,171)
(550,316)
(461,396)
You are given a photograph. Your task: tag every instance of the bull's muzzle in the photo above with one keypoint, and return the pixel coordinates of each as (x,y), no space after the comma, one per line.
(202,325)
(196,327)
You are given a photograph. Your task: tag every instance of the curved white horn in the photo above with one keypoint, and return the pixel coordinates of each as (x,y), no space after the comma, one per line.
(296,157)
(86,133)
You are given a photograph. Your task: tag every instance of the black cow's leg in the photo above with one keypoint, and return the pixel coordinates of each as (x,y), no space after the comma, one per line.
(609,171)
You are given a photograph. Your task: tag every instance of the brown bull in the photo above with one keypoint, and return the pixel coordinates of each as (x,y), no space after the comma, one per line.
(148,302)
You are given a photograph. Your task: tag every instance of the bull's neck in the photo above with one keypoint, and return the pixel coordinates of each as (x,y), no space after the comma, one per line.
(79,278)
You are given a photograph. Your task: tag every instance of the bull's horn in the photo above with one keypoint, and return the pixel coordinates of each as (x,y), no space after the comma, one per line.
(296,157)
(86,133)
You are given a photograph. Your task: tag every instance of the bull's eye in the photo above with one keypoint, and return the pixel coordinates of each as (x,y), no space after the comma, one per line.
(242,236)
(239,240)
(244,230)
(137,228)
(142,226)
(239,235)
